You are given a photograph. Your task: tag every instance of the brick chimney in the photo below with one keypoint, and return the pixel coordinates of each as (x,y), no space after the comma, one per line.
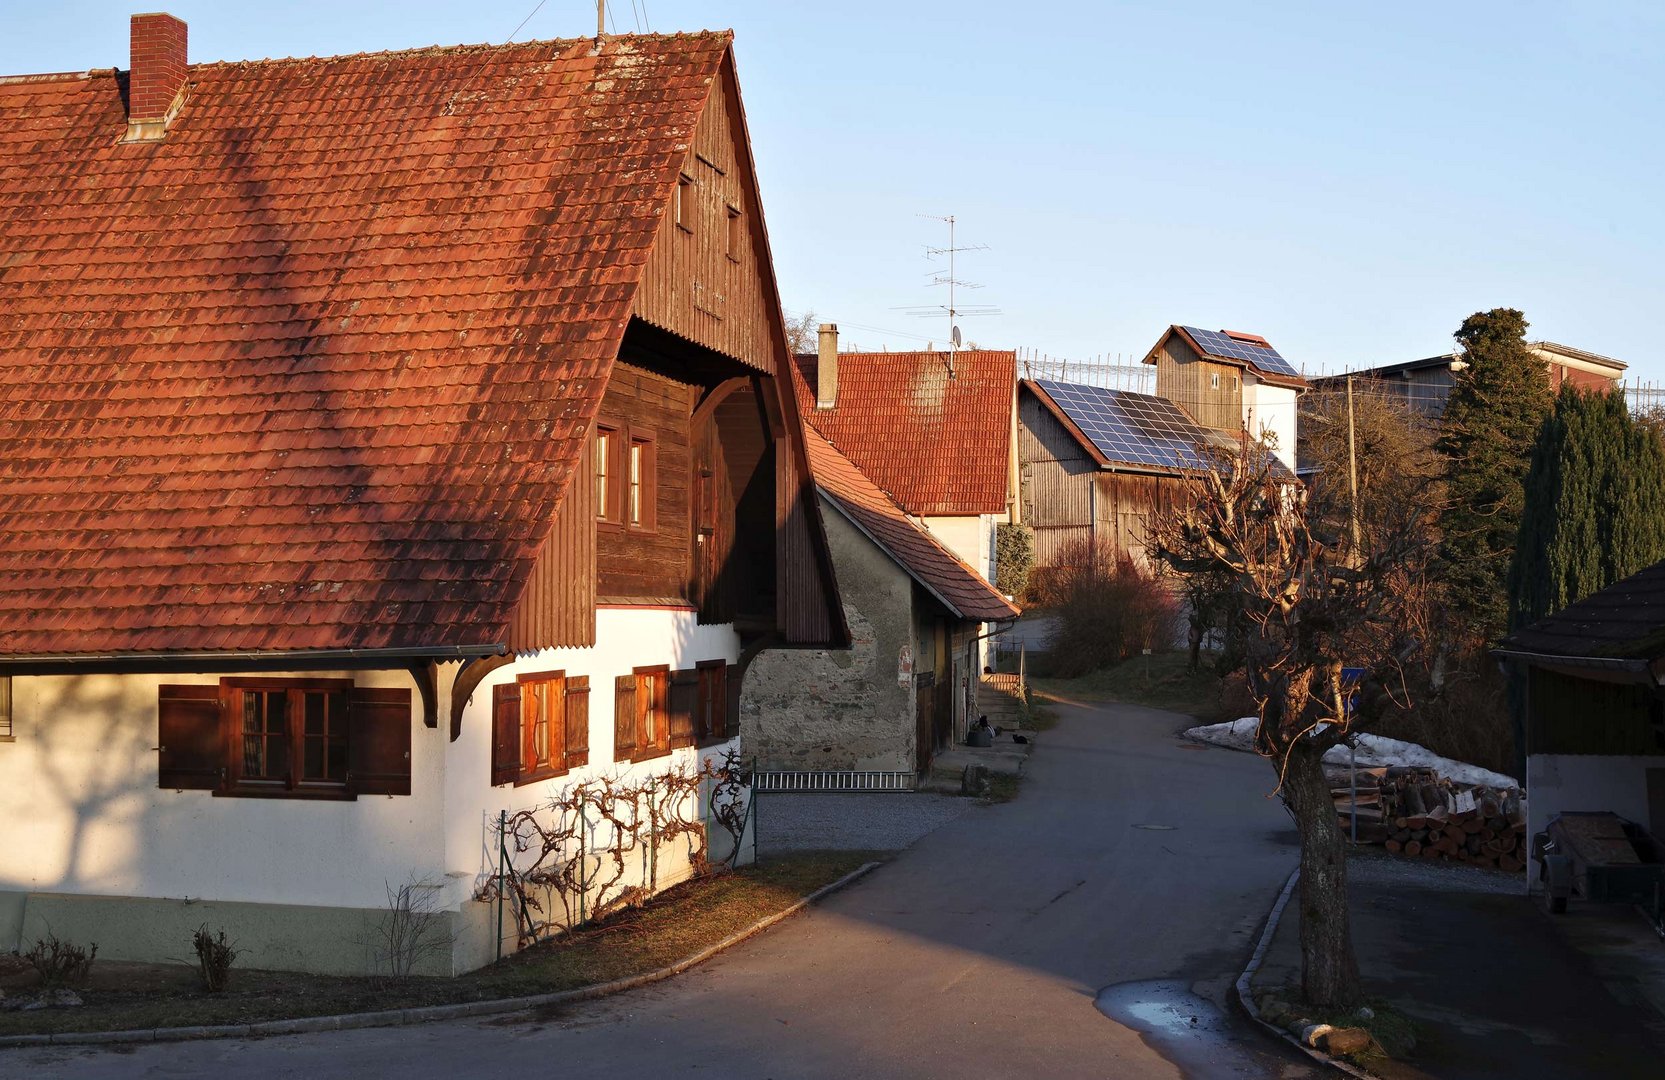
(826,366)
(156,85)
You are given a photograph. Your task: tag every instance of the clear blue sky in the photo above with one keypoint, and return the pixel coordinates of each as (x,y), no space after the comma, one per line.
(1349,180)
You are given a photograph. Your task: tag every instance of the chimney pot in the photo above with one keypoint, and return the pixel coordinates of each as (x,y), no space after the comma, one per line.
(156,81)
(826,366)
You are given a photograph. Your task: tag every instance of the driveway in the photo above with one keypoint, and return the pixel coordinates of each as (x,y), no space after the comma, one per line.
(980,952)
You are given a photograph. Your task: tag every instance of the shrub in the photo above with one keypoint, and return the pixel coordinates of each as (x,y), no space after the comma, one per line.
(59,962)
(1014,557)
(214,958)
(1108,608)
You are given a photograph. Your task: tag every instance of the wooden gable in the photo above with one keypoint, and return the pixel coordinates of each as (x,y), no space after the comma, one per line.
(706,279)
(1210,391)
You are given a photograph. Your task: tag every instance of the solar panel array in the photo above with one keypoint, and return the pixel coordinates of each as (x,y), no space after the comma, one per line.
(1264,357)
(1133,429)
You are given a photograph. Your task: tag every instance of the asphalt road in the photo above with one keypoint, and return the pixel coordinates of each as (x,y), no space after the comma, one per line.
(1129,856)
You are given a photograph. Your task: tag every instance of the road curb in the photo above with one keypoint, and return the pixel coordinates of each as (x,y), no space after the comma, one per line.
(429,1013)
(1246,999)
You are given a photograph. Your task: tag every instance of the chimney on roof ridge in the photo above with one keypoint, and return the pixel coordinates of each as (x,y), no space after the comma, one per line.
(156,83)
(826,366)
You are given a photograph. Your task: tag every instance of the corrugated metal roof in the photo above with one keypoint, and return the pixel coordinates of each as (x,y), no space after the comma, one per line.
(313,371)
(937,445)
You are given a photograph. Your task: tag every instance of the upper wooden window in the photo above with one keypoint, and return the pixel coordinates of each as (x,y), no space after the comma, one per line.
(1214,380)
(297,738)
(606,501)
(640,495)
(5,708)
(736,233)
(540,727)
(685,203)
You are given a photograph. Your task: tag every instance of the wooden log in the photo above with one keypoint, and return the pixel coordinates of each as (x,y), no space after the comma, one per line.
(1413,847)
(1393,845)
(1511,863)
(1414,805)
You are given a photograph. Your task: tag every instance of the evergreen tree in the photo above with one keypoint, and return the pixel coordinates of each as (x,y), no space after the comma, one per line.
(1595,504)
(1500,399)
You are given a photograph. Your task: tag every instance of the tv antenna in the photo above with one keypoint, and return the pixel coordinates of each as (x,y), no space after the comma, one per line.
(952,309)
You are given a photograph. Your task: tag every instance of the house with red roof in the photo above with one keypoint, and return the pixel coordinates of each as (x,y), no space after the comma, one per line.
(874,716)
(393,441)
(934,430)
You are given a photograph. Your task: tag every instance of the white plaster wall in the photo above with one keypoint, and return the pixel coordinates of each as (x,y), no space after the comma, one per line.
(1271,408)
(1562,782)
(971,537)
(84,814)
(626,638)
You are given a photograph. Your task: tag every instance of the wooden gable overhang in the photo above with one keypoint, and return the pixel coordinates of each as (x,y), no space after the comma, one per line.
(707,296)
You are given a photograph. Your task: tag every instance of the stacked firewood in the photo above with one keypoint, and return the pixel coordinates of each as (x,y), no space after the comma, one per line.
(1416,812)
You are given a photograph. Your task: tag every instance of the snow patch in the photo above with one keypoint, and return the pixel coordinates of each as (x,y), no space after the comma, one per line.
(1373,751)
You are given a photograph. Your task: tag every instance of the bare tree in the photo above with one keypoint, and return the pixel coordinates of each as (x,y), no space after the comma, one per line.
(1302,603)
(802,332)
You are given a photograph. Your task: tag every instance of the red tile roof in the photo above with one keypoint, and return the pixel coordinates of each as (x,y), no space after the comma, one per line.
(938,445)
(961,589)
(313,371)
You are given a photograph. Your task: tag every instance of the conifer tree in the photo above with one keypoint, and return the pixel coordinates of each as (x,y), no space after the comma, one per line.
(1500,399)
(1595,504)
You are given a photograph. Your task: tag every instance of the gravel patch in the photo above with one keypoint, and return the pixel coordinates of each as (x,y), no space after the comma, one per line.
(891,821)
(1379,868)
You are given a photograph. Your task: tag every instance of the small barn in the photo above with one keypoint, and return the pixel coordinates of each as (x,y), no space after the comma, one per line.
(1588,686)
(1096,466)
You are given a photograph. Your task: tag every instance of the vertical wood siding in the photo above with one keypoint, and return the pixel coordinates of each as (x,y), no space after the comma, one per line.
(693,285)
(558,606)
(1185,378)
(652,563)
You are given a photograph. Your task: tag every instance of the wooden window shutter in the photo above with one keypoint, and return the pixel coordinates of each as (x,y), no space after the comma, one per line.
(578,721)
(624,717)
(684,699)
(505,733)
(721,726)
(731,724)
(190,738)
(378,740)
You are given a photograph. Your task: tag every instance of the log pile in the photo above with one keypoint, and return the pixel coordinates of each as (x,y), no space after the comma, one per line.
(1414,811)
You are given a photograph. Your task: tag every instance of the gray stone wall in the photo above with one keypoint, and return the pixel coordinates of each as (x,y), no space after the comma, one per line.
(843,709)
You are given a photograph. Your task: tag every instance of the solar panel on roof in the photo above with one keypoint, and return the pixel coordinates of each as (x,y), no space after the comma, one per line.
(1264,357)
(1133,429)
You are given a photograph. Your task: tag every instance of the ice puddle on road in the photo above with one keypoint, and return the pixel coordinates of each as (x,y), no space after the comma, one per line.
(1191,1033)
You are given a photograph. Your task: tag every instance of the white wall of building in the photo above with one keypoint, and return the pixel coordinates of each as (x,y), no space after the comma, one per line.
(84,815)
(969,536)
(1556,783)
(85,818)
(1270,408)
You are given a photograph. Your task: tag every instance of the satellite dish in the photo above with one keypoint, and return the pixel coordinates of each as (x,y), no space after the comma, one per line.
(956,337)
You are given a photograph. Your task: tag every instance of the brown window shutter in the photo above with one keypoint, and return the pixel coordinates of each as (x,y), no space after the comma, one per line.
(578,721)
(624,717)
(716,704)
(684,699)
(190,738)
(378,740)
(731,725)
(505,733)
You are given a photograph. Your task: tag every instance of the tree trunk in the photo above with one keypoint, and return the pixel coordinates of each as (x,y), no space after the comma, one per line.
(1329,971)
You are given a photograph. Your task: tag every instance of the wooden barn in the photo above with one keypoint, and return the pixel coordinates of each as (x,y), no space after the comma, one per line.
(1095,465)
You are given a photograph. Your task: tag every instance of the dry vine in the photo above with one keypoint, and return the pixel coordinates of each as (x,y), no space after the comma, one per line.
(577,849)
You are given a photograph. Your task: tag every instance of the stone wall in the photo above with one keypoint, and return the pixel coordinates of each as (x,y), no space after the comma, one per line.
(843,709)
